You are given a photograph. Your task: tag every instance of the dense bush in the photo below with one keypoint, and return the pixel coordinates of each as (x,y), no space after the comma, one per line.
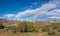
(51,33)
(32,27)
(46,28)
(1,26)
(11,29)
(28,27)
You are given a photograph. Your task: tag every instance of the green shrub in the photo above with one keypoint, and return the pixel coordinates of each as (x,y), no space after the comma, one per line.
(11,29)
(25,27)
(28,27)
(46,28)
(51,33)
(1,26)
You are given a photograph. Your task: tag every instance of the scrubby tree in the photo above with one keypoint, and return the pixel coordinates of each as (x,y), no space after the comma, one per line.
(51,33)
(1,26)
(11,29)
(28,27)
(46,28)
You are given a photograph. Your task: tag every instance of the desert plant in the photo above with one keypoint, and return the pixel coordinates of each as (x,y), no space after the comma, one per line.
(28,27)
(11,29)
(1,26)
(25,27)
(51,33)
(46,28)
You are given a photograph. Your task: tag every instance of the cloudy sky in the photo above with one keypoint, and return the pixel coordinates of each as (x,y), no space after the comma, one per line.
(30,9)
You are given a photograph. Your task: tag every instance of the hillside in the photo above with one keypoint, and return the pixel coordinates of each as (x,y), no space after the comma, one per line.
(48,27)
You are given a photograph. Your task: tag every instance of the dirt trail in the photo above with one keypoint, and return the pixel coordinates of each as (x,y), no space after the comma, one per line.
(24,34)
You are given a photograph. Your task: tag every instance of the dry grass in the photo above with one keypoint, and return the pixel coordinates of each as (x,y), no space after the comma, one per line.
(57,34)
(23,34)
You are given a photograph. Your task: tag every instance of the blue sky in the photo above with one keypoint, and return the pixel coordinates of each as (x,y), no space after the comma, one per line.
(30,9)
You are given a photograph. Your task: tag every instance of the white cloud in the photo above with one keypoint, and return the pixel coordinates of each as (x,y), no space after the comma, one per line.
(55,12)
(9,15)
(41,12)
(37,12)
(53,17)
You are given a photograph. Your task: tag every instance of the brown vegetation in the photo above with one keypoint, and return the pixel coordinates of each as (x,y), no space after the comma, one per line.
(29,28)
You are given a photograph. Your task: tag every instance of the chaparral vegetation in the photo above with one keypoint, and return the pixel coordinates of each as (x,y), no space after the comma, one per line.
(31,27)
